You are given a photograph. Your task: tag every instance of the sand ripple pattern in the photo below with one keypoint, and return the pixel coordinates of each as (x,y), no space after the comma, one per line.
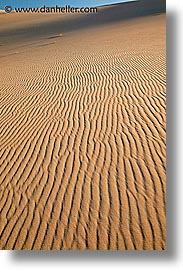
(82,152)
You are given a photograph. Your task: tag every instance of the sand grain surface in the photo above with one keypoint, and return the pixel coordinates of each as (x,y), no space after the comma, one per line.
(82,136)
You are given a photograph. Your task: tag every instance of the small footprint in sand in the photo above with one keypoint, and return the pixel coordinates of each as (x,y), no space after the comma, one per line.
(56,36)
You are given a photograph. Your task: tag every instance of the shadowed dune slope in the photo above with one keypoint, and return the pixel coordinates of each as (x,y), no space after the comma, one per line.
(22,27)
(82,133)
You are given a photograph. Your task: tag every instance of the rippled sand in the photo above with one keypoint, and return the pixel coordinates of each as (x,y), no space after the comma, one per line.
(82,130)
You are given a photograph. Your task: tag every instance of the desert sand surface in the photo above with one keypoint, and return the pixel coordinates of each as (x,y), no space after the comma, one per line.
(83,129)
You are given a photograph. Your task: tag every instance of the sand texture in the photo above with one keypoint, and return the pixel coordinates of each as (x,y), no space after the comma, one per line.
(82,129)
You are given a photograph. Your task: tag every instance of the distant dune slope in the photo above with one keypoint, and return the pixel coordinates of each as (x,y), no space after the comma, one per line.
(83,132)
(16,27)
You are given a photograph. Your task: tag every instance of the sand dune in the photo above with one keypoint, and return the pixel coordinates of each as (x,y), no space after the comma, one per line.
(82,131)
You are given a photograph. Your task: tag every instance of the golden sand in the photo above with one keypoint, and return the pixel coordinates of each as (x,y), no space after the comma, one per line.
(82,131)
